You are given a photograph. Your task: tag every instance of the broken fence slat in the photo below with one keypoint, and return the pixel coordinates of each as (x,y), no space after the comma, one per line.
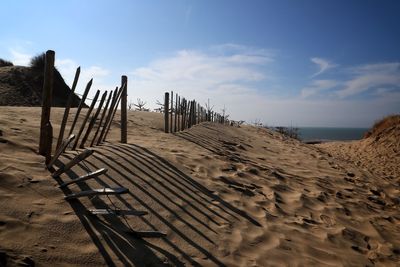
(86,153)
(98,192)
(86,119)
(117,212)
(68,107)
(60,150)
(85,177)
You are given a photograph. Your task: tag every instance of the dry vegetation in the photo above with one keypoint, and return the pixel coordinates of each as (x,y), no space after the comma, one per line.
(5,63)
(380,126)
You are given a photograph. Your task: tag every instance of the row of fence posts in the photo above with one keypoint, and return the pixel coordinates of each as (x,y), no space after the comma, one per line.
(181,114)
(104,123)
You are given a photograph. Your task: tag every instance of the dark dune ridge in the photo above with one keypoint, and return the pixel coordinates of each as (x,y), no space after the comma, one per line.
(22,86)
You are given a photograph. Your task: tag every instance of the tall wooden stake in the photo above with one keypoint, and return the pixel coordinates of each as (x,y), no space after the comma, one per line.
(80,106)
(102,118)
(46,102)
(86,119)
(113,113)
(124,103)
(166,110)
(176,111)
(67,108)
(93,120)
(110,111)
(172,108)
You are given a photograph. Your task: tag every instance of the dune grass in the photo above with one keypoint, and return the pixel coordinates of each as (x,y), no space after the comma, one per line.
(5,63)
(383,124)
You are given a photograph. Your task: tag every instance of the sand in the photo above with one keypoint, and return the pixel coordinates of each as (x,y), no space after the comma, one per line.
(224,196)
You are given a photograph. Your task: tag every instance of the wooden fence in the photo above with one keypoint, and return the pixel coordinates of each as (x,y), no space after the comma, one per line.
(181,113)
(95,120)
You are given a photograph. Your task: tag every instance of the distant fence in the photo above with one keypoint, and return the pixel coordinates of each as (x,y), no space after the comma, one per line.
(180,113)
(97,120)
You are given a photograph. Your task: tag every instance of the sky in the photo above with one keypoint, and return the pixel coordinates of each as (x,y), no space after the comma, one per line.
(301,63)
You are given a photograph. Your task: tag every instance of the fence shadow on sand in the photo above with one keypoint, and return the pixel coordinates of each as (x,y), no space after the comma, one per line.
(189,213)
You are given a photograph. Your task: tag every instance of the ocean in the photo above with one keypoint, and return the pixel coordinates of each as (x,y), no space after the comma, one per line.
(330,134)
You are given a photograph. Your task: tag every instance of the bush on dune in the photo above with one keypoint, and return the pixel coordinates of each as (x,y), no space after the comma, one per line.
(5,63)
(383,124)
(37,62)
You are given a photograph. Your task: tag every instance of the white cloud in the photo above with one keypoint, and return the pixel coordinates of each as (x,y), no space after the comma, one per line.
(316,87)
(216,74)
(67,68)
(371,76)
(323,65)
(20,58)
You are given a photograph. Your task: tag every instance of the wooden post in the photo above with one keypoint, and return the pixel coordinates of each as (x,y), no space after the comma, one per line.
(86,119)
(190,117)
(80,105)
(93,120)
(179,114)
(102,118)
(49,141)
(172,108)
(67,108)
(124,115)
(183,114)
(198,113)
(46,101)
(166,110)
(176,111)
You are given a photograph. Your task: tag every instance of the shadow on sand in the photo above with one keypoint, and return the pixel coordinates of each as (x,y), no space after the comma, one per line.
(187,211)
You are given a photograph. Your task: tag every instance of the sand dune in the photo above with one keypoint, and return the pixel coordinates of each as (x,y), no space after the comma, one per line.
(224,196)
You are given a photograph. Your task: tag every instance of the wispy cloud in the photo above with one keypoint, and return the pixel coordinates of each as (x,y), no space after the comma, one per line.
(67,68)
(371,77)
(316,87)
(198,73)
(322,64)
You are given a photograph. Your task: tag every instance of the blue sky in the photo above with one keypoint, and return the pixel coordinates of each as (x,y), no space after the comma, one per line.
(305,63)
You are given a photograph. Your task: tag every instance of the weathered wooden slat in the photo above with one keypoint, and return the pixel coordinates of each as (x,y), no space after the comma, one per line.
(172,108)
(93,120)
(102,118)
(98,192)
(85,177)
(86,119)
(166,110)
(124,112)
(119,97)
(117,212)
(60,150)
(78,158)
(176,112)
(87,89)
(109,114)
(67,108)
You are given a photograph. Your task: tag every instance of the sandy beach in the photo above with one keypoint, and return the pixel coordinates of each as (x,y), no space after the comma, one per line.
(224,196)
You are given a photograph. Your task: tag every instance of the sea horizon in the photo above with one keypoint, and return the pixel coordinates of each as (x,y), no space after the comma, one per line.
(308,133)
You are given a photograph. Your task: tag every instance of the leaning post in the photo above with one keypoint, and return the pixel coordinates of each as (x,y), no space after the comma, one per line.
(46,104)
(124,115)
